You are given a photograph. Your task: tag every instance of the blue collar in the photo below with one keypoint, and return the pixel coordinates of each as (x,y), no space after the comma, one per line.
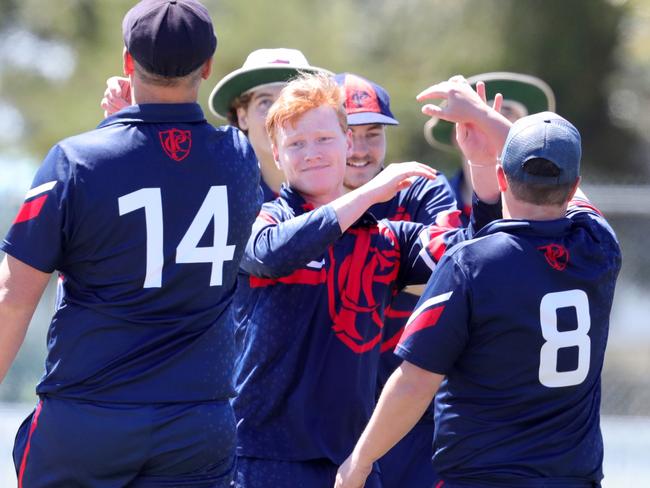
(152,113)
(548,228)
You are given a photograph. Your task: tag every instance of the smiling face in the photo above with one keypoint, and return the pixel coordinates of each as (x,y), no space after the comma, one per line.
(312,151)
(368,154)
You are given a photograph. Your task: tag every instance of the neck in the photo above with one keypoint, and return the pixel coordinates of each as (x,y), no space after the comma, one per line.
(271,175)
(320,200)
(144,93)
(515,209)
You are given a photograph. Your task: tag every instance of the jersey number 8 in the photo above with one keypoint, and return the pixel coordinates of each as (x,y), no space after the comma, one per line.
(555,340)
(188,250)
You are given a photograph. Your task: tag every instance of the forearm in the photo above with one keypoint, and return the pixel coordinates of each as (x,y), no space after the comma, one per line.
(351,206)
(403,401)
(277,250)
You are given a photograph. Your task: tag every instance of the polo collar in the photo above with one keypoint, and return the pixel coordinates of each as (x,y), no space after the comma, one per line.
(154,113)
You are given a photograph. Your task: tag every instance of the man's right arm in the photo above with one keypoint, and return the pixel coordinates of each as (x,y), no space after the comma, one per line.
(279,247)
(21,287)
(481,130)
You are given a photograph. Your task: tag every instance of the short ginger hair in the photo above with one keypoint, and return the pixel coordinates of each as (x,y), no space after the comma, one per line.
(306,92)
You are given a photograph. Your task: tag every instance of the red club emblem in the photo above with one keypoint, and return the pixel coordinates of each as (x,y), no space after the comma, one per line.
(352,290)
(557,256)
(176,143)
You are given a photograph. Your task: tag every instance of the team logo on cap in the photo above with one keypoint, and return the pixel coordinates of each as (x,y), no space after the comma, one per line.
(557,256)
(360,96)
(176,143)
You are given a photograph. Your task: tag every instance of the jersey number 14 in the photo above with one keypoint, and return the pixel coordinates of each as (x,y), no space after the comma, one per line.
(213,209)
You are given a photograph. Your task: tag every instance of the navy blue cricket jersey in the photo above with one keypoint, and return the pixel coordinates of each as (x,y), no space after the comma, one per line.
(423,202)
(309,325)
(146,218)
(517,321)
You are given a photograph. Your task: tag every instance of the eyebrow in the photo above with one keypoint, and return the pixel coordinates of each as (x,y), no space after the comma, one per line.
(262,94)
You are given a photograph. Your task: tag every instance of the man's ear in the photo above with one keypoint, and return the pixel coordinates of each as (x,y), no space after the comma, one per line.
(242,118)
(501,178)
(128,65)
(276,156)
(206,69)
(575,188)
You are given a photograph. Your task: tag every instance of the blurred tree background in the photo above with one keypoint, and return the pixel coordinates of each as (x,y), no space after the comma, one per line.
(56,55)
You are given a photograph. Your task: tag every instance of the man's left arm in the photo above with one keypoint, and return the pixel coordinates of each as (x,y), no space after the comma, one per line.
(402,403)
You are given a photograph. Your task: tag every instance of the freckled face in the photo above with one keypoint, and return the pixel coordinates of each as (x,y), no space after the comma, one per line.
(312,153)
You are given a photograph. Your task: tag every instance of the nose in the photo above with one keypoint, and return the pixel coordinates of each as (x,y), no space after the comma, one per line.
(359,147)
(312,153)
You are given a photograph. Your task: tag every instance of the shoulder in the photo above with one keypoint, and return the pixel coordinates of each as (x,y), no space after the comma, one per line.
(582,211)
(276,211)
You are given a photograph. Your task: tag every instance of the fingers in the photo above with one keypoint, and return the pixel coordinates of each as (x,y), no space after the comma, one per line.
(440,90)
(480,89)
(498,102)
(432,110)
(434,91)
(412,170)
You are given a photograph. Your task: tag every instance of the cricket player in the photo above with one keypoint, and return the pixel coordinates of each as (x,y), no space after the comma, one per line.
(145,219)
(511,329)
(317,275)
(243,98)
(426,201)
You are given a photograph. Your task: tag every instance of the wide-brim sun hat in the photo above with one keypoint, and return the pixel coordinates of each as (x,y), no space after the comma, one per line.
(526,93)
(261,67)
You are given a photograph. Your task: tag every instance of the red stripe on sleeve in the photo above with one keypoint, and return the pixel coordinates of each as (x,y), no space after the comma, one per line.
(426,319)
(267,217)
(30,210)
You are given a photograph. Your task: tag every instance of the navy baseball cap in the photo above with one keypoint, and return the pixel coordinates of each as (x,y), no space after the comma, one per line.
(544,135)
(169,37)
(365,102)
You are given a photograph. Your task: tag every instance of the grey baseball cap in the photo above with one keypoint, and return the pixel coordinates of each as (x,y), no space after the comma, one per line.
(544,135)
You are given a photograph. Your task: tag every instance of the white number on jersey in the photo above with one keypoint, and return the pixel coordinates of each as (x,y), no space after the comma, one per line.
(214,205)
(555,340)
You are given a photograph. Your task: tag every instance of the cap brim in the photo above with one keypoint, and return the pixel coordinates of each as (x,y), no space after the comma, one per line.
(242,80)
(532,92)
(366,118)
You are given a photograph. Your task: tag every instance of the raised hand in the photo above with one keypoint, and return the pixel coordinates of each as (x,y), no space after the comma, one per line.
(396,177)
(475,144)
(116,96)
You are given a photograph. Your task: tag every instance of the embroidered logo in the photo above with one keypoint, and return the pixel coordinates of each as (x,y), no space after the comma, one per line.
(176,143)
(360,96)
(557,256)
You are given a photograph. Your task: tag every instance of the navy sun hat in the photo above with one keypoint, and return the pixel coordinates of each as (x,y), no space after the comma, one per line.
(544,135)
(365,102)
(169,37)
